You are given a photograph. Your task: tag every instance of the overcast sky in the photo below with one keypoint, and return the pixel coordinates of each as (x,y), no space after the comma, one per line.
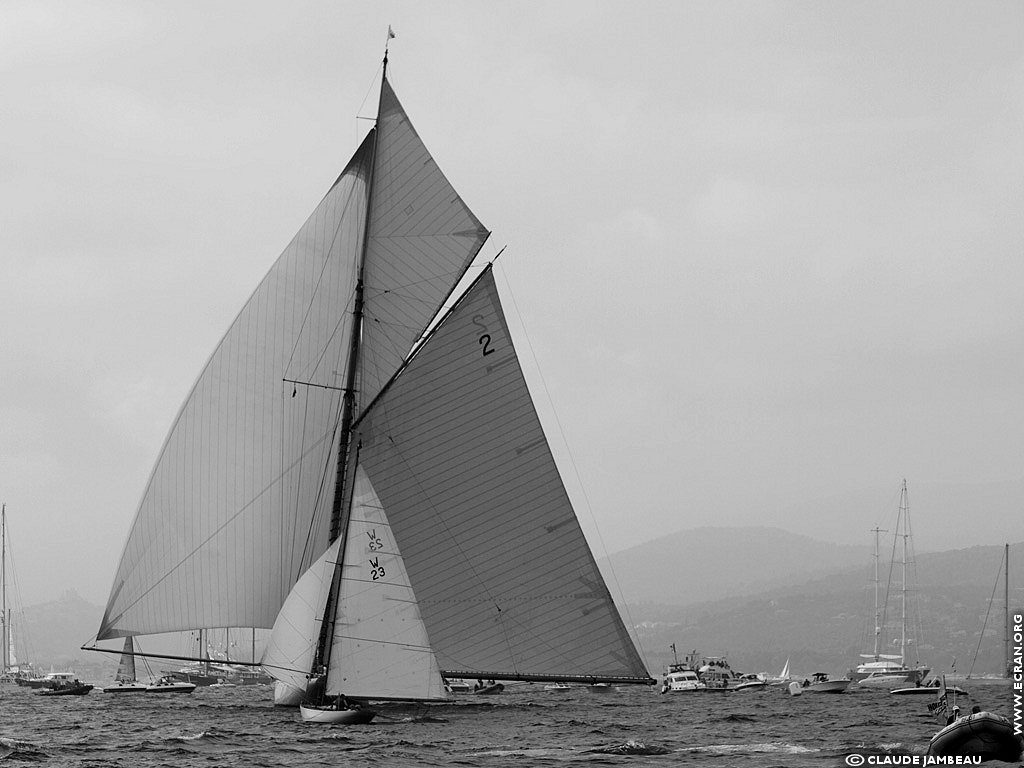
(764,259)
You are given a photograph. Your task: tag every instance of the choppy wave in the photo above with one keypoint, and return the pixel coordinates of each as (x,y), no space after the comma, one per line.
(241,728)
(632,747)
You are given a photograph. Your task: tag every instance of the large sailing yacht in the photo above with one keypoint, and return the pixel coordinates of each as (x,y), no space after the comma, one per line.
(366,473)
(882,669)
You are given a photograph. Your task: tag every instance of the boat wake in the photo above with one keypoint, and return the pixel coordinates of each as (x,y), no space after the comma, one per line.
(631,747)
(737,718)
(16,750)
(771,747)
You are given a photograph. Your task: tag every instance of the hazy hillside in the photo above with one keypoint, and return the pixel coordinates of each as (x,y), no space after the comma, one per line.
(711,563)
(50,635)
(937,513)
(826,623)
(759,595)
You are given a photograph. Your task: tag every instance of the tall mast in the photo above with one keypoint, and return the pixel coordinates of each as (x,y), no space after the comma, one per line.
(322,655)
(355,339)
(1006,606)
(3,587)
(878,618)
(904,511)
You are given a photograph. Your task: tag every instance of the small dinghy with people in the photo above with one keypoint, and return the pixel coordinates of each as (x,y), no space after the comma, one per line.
(979,734)
(487,689)
(338,711)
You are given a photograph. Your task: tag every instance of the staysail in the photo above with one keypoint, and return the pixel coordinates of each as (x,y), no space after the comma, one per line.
(288,656)
(380,647)
(238,504)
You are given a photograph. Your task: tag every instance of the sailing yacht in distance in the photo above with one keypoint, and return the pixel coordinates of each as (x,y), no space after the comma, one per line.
(11,671)
(367,474)
(125,680)
(891,670)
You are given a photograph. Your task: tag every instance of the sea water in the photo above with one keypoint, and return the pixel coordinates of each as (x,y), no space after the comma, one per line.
(525,726)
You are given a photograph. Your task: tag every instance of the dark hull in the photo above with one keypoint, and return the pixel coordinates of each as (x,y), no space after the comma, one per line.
(28,682)
(195,679)
(68,690)
(488,690)
(982,734)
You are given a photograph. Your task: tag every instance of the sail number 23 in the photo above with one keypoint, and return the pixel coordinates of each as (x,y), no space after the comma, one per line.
(485,338)
(374,545)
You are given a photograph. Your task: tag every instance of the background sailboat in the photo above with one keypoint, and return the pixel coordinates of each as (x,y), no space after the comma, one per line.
(125,680)
(411,500)
(11,671)
(891,670)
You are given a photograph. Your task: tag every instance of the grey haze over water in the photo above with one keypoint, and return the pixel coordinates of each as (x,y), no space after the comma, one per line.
(763,260)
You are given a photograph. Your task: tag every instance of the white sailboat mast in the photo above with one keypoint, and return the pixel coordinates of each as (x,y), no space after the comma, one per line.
(4,619)
(878,616)
(904,516)
(1006,609)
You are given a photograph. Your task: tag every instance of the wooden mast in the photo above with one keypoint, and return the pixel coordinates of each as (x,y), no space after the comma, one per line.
(321,657)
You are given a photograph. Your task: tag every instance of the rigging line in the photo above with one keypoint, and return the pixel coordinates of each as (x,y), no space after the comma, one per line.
(298,491)
(892,564)
(372,291)
(171,657)
(327,344)
(244,508)
(918,621)
(18,607)
(371,89)
(313,384)
(309,554)
(984,625)
(342,218)
(572,459)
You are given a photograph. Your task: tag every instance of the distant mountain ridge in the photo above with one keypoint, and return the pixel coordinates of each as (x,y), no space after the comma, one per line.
(818,615)
(51,634)
(706,564)
(758,594)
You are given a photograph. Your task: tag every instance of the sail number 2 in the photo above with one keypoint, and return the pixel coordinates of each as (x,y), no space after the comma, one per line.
(485,337)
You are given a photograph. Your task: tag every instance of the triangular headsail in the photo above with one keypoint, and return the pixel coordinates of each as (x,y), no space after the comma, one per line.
(380,645)
(126,666)
(506,583)
(422,238)
(288,656)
